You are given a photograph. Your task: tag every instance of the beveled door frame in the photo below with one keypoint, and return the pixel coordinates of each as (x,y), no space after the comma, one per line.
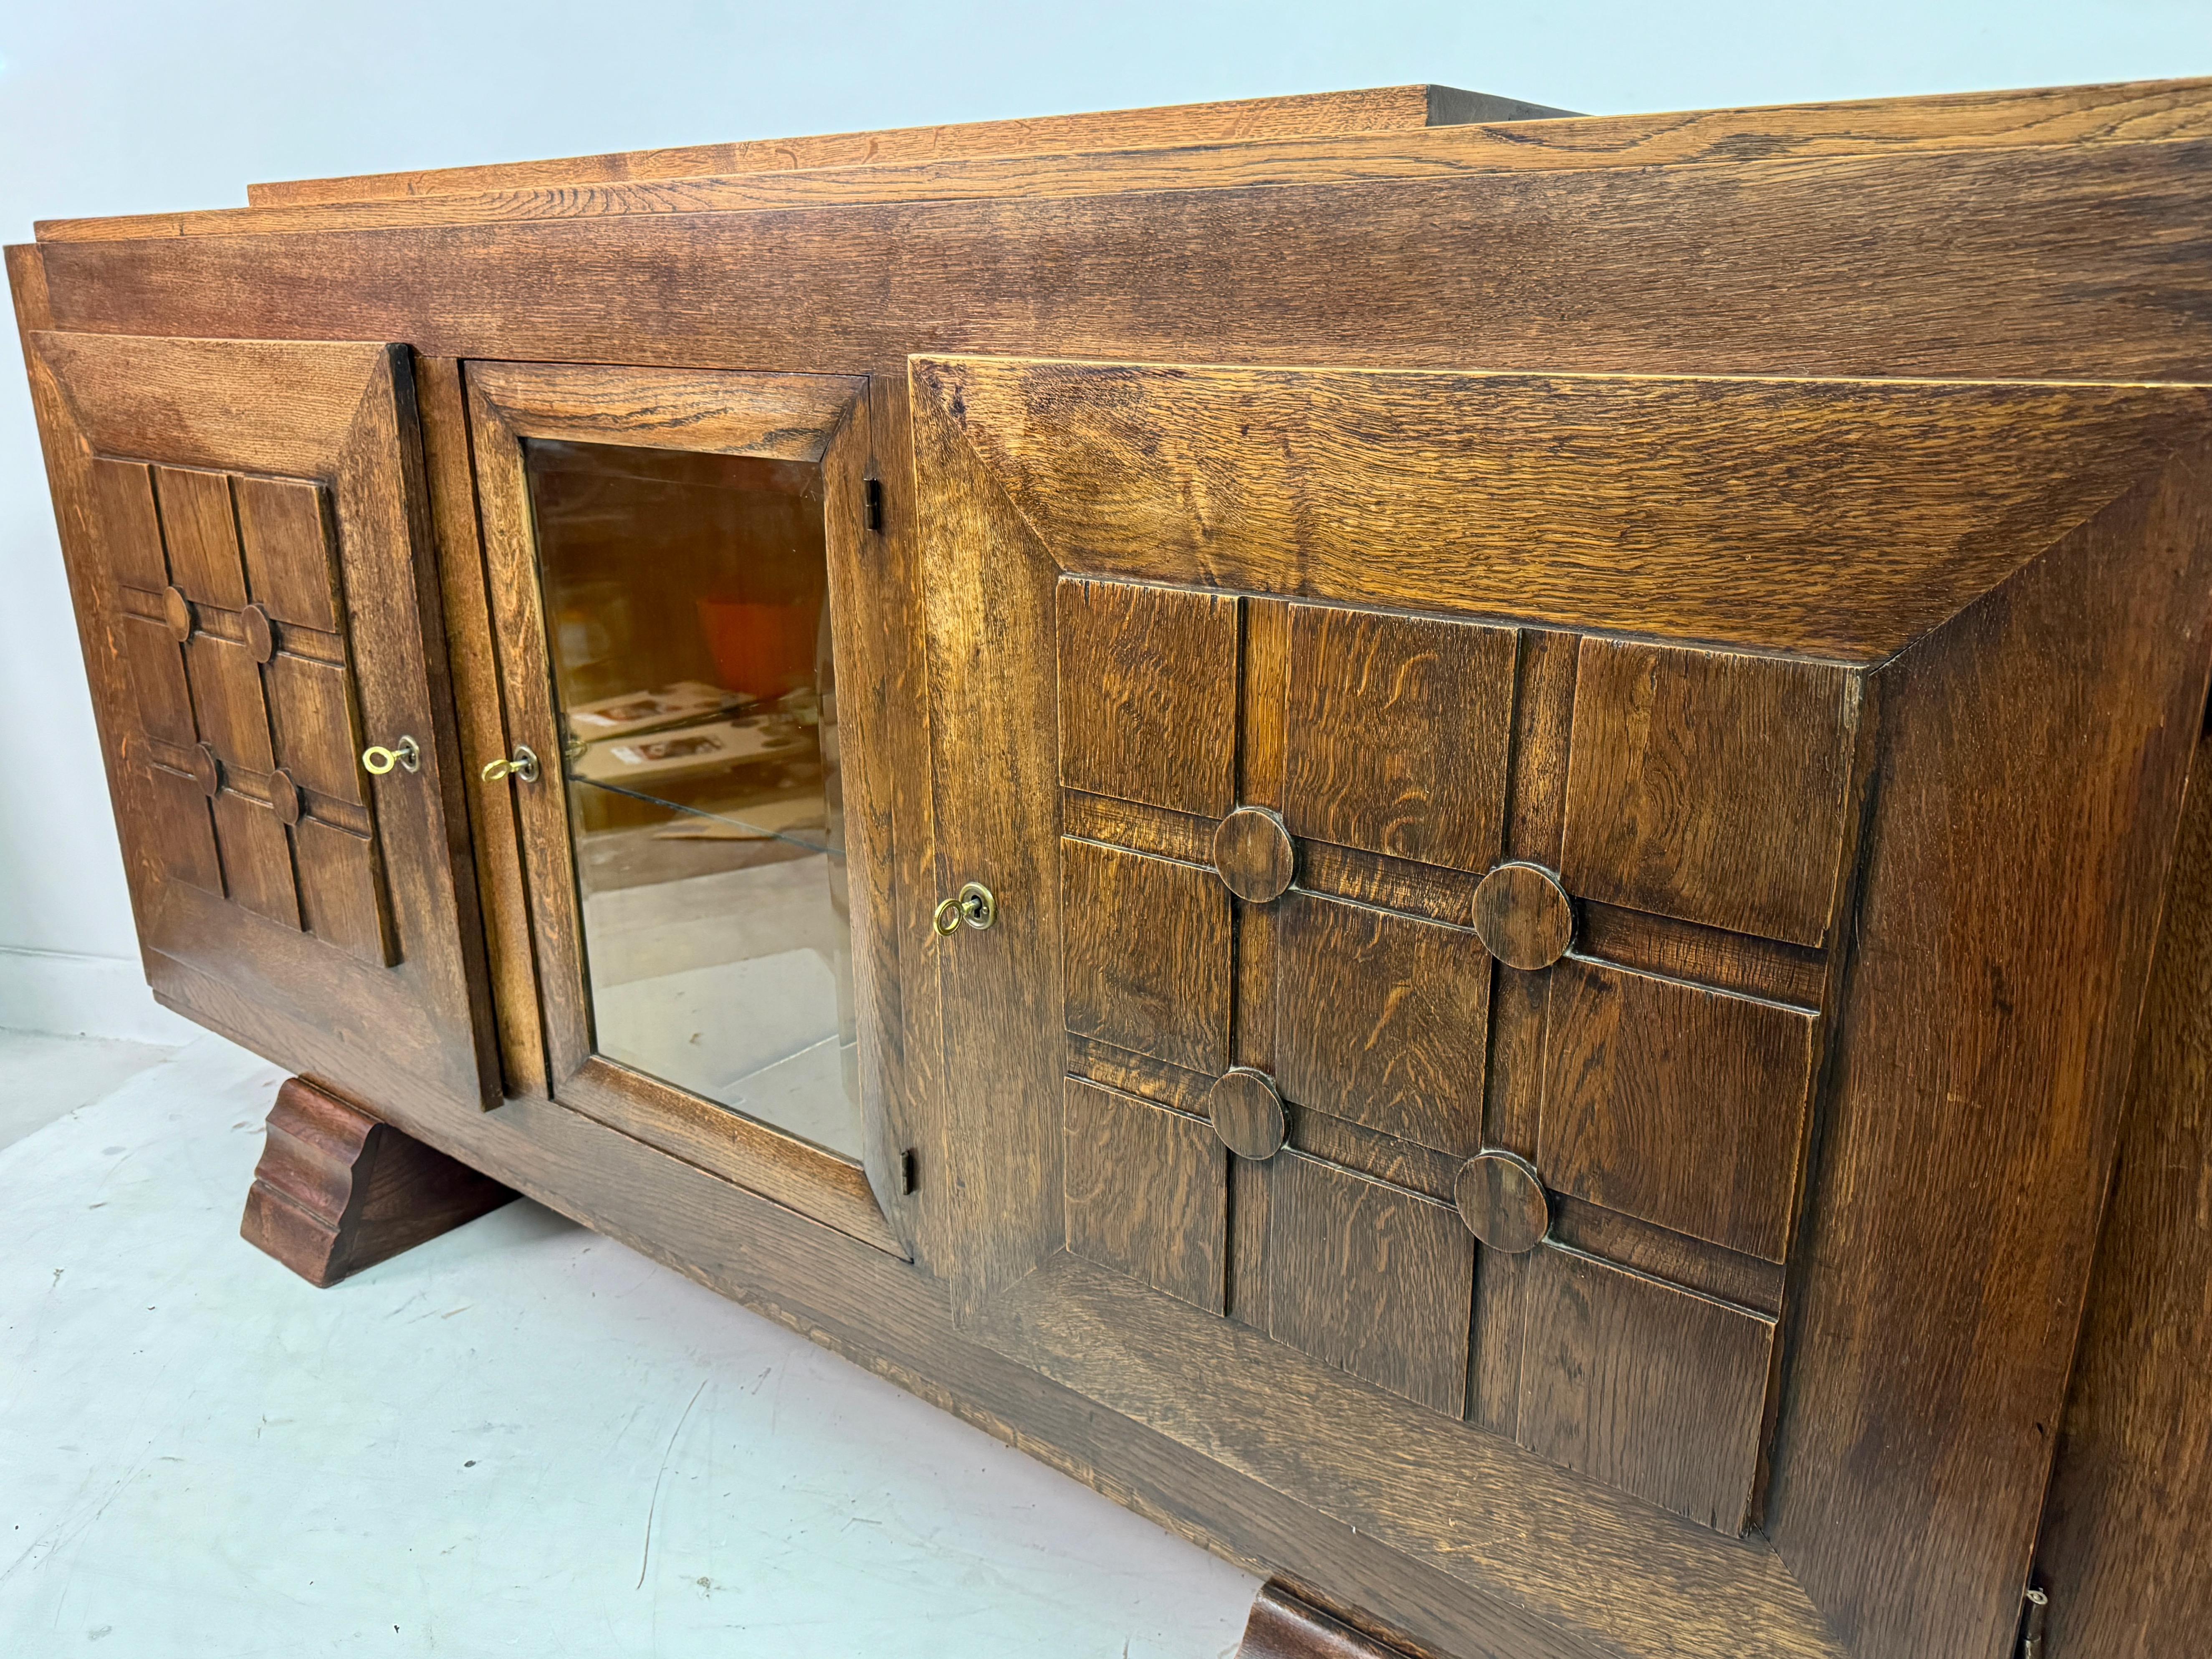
(820,418)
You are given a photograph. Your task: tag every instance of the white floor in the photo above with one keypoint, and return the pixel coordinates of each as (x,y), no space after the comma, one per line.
(518,1439)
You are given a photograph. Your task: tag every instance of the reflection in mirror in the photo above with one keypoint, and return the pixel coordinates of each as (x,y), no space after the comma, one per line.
(686,598)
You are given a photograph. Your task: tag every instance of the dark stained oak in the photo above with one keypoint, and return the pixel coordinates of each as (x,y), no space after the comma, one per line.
(1148,694)
(1247,1113)
(2125,1549)
(1370,1278)
(337,1190)
(1836,474)
(1398,728)
(1501,1199)
(1709,787)
(1253,855)
(1367,110)
(1683,1106)
(1646,1387)
(1523,916)
(1916,511)
(1147,1193)
(1380,1019)
(2032,753)
(399,973)
(1147,954)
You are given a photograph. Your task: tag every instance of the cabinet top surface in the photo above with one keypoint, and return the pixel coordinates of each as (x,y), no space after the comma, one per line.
(1407,133)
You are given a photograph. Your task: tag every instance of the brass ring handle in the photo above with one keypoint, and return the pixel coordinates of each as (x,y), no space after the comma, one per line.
(975,904)
(408,757)
(523,766)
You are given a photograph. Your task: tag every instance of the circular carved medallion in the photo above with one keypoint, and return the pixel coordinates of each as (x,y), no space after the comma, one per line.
(207,771)
(177,610)
(1503,1202)
(1253,853)
(260,638)
(1247,1113)
(284,795)
(1523,916)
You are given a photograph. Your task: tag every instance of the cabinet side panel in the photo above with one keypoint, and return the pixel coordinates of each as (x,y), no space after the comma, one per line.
(2127,1535)
(2031,755)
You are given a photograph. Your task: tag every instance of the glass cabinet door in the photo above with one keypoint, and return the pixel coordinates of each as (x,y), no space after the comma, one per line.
(693,681)
(670,642)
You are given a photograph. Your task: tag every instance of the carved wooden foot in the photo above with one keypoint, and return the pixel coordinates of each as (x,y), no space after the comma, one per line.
(1284,1627)
(337,1190)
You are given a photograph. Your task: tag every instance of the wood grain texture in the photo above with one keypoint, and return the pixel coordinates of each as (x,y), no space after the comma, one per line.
(1381,1019)
(2033,755)
(1370,1278)
(160,696)
(291,568)
(699,180)
(1371,1152)
(1146,963)
(1247,1113)
(1398,729)
(1921,496)
(2126,1542)
(227,704)
(132,528)
(203,410)
(184,850)
(1137,827)
(1472,1503)
(1253,855)
(1147,1194)
(1710,787)
(337,1191)
(200,527)
(1523,916)
(2039,273)
(343,896)
(1365,110)
(1674,949)
(1679,1105)
(482,717)
(1148,694)
(256,860)
(1655,1252)
(1140,1075)
(1388,883)
(991,615)
(1501,1200)
(1643,1386)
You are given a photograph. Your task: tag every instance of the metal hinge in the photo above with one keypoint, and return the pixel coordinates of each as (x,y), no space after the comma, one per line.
(873,504)
(2030,1624)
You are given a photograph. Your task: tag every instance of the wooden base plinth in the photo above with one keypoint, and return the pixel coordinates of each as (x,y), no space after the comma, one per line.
(337,1190)
(1284,1627)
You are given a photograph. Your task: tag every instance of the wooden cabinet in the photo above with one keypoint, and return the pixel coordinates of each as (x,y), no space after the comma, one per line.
(1455,851)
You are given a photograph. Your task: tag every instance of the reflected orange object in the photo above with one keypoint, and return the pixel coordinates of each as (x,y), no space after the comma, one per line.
(764,650)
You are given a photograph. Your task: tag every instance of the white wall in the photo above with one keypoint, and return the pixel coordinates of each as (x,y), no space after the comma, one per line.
(118,108)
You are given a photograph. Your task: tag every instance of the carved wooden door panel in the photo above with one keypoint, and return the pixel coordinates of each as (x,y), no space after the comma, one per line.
(1284,884)
(1564,949)
(244,527)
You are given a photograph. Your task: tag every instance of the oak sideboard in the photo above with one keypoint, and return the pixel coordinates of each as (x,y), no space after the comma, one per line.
(1468,847)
